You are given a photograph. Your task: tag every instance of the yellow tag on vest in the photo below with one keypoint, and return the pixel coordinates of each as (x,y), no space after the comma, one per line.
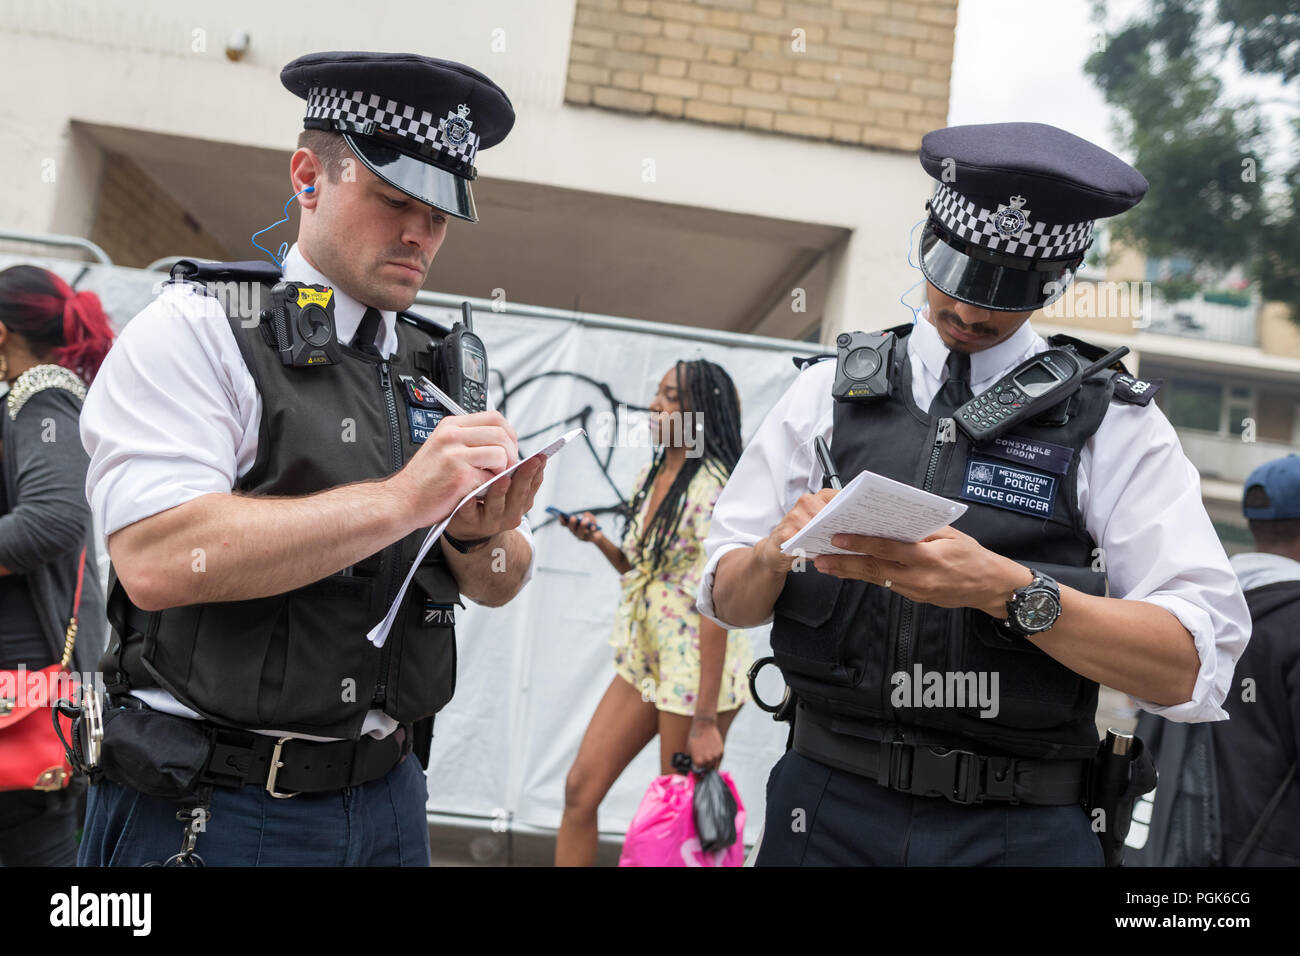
(310,296)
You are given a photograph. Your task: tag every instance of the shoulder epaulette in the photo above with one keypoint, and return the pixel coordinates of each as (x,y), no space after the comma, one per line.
(1086,349)
(1126,387)
(205,271)
(37,379)
(802,362)
(425,323)
(197,275)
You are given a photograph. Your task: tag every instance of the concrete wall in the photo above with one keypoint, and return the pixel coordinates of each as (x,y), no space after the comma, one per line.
(134,221)
(1278,334)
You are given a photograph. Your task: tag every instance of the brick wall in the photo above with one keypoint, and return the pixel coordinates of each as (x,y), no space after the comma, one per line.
(137,222)
(867,72)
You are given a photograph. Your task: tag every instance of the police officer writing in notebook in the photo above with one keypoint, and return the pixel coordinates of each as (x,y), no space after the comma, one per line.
(265,486)
(946,690)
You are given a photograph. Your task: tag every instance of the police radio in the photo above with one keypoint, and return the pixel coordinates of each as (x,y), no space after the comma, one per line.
(862,366)
(462,364)
(299,325)
(1035,386)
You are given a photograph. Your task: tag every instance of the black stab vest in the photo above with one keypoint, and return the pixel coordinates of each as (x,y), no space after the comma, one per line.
(300,661)
(840,643)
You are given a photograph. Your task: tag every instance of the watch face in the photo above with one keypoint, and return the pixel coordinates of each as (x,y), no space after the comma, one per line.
(1038,610)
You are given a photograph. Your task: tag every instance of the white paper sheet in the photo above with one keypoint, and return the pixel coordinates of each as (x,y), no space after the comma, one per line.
(874,505)
(379,633)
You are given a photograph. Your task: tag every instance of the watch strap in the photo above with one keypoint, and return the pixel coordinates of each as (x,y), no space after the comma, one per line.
(465,547)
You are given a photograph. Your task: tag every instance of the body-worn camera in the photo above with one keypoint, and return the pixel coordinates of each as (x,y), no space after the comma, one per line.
(300,324)
(862,366)
(462,364)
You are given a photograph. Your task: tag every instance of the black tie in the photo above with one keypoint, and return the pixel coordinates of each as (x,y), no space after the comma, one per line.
(956,390)
(367,332)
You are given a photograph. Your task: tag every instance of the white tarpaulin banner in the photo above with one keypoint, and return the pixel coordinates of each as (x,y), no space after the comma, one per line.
(530,674)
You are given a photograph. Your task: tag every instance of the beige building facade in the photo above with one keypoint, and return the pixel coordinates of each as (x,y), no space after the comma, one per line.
(746,165)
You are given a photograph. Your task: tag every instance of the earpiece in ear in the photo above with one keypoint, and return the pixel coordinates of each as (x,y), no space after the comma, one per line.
(310,189)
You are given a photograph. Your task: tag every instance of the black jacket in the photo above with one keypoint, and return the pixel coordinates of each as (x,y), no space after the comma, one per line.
(43,467)
(1259,742)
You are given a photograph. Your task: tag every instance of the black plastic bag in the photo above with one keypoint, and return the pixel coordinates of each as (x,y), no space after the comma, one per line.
(715,812)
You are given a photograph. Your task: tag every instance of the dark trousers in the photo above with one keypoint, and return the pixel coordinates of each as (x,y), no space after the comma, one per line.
(38,828)
(380,823)
(820,816)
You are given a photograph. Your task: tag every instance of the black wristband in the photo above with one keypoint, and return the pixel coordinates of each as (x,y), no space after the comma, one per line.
(465,547)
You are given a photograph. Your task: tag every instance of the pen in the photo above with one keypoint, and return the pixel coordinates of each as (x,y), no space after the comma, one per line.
(450,403)
(442,396)
(827,462)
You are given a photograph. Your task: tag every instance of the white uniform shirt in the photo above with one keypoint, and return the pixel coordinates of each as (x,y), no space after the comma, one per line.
(1139,495)
(174,414)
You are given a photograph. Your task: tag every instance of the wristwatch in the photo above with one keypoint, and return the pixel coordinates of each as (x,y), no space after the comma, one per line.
(465,547)
(1035,607)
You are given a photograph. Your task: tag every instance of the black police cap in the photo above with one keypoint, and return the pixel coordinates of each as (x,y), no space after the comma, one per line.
(416,122)
(1013,212)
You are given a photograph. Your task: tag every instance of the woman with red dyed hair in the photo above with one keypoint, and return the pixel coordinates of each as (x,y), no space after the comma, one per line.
(52,341)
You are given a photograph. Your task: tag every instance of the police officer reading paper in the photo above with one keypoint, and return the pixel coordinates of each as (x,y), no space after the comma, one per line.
(265,483)
(1085,555)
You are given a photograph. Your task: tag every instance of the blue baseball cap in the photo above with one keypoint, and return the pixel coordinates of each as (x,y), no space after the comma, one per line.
(1280,479)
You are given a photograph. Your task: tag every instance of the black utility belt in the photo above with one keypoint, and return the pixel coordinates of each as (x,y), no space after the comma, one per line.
(171,757)
(961,776)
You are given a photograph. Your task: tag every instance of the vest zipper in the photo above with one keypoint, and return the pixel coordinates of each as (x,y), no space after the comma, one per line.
(393,557)
(945,431)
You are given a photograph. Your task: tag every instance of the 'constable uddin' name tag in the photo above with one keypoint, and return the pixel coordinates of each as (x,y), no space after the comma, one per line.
(1029,451)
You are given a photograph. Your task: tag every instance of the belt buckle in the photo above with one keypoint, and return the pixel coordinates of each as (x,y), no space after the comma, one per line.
(276,764)
(943,773)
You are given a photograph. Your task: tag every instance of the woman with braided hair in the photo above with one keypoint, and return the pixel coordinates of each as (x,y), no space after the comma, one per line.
(678,674)
(52,341)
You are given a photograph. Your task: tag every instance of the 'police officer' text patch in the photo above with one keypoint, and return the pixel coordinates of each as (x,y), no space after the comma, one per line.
(1001,485)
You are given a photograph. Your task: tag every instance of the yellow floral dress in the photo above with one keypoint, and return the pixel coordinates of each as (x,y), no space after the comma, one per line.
(656,629)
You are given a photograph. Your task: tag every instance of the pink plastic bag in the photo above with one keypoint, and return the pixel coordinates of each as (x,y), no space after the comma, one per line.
(663,831)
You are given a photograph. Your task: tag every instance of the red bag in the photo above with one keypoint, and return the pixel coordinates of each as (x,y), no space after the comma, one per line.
(31,754)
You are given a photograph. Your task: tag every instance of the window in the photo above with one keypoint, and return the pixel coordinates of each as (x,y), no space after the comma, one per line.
(1277,414)
(1196,405)
(1240,407)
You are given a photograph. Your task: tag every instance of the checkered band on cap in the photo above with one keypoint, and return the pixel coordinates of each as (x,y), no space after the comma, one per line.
(450,135)
(979,226)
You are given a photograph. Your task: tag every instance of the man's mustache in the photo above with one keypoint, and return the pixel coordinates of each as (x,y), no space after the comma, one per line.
(973,329)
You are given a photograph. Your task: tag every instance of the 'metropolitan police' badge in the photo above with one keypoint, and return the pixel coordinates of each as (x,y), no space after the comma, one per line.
(1010,221)
(455,128)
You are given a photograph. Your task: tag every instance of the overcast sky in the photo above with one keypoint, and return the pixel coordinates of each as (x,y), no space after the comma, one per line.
(1022,61)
